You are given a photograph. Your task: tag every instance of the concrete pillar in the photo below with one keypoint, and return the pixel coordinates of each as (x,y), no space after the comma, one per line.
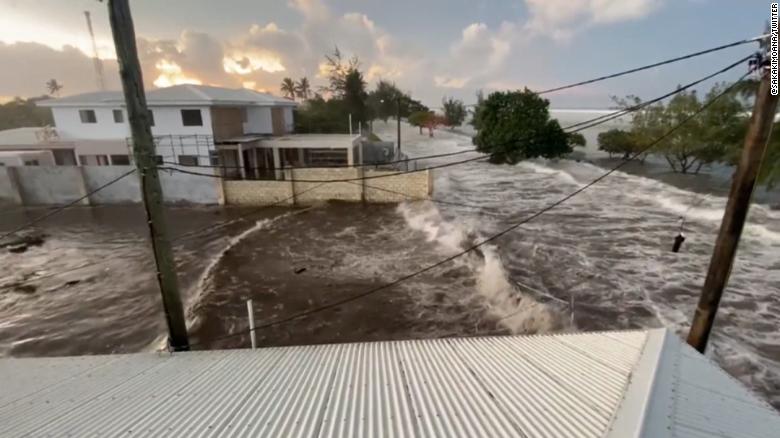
(277,164)
(241,161)
(351,155)
(300,156)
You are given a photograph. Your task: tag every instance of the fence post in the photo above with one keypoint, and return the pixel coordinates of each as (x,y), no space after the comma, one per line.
(252,335)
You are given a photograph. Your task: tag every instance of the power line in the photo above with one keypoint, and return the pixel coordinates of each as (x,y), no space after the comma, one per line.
(496,235)
(657,64)
(340,166)
(596,121)
(580,126)
(65,207)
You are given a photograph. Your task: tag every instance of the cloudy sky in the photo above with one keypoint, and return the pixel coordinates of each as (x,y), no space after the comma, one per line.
(430,48)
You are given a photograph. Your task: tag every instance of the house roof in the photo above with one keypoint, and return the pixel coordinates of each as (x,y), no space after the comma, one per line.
(614,384)
(176,95)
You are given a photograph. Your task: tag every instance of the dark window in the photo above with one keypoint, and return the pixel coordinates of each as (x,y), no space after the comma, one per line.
(158,159)
(190,117)
(87,116)
(118,116)
(31,163)
(188,160)
(120,160)
(64,157)
(151,118)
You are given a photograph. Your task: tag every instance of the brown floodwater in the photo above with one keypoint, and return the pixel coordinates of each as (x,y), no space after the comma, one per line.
(89,288)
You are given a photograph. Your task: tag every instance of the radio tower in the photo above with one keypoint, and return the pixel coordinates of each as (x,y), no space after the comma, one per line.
(101,83)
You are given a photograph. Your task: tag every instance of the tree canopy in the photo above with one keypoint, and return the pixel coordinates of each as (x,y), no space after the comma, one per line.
(454,112)
(704,139)
(617,141)
(20,113)
(516,125)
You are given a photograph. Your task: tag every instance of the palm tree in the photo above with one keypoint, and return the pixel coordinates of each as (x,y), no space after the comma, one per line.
(288,88)
(302,88)
(54,87)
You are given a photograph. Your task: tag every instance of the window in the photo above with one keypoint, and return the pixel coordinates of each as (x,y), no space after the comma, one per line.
(190,117)
(158,159)
(87,116)
(119,117)
(31,163)
(93,160)
(188,160)
(120,160)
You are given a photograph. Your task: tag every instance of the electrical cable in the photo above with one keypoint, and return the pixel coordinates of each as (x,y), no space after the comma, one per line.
(493,237)
(656,64)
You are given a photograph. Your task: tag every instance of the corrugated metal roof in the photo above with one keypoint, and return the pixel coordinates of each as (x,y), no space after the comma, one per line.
(187,94)
(619,383)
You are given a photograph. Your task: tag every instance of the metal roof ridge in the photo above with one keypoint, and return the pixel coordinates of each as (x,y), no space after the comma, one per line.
(630,416)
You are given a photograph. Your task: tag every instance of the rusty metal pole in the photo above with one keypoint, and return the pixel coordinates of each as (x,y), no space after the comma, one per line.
(144,156)
(734,217)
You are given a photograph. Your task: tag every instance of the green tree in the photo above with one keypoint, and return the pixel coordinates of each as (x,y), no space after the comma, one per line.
(302,88)
(516,125)
(288,88)
(20,113)
(53,87)
(577,139)
(454,112)
(384,100)
(420,119)
(617,141)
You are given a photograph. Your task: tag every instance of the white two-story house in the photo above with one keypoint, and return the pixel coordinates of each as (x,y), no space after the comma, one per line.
(189,122)
(245,132)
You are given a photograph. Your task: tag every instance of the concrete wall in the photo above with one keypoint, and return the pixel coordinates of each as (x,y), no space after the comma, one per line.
(412,186)
(183,188)
(56,185)
(41,185)
(128,190)
(9,191)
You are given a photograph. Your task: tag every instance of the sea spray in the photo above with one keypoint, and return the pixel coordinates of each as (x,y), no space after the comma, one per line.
(518,312)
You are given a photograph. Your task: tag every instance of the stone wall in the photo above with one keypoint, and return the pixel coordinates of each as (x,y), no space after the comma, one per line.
(257,192)
(410,186)
(398,188)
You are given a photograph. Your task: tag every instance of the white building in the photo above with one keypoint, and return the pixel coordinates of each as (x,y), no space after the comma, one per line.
(188,121)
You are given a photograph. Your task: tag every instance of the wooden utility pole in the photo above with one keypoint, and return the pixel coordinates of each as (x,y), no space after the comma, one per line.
(144,153)
(398,116)
(736,211)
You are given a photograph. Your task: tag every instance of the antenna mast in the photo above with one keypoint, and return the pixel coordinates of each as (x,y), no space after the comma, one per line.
(101,83)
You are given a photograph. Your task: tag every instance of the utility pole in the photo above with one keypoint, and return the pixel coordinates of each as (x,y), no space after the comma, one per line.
(143,153)
(736,211)
(398,118)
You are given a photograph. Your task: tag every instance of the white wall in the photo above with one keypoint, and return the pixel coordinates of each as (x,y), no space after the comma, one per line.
(69,126)
(258,121)
(167,121)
